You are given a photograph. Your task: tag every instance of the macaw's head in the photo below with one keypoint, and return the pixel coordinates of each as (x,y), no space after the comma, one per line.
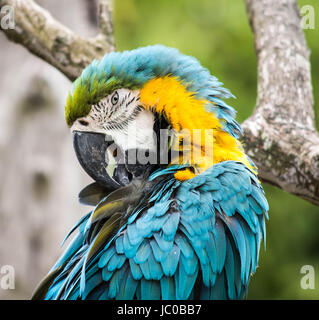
(136,111)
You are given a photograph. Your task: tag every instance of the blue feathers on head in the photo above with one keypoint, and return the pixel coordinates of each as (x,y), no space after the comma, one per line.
(132,69)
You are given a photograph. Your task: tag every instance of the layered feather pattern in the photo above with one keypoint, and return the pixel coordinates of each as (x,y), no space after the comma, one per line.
(196,239)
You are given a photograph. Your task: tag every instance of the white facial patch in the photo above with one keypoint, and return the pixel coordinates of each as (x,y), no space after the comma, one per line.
(138,134)
(121,116)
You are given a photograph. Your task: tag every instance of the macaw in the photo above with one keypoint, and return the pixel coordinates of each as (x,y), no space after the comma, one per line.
(186,218)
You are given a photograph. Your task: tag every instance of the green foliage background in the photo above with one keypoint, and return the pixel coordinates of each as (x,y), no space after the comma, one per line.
(218,34)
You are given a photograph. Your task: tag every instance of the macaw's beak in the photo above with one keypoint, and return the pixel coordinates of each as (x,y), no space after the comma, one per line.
(96,154)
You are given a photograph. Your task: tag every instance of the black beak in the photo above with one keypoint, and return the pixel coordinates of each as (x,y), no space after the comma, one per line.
(92,152)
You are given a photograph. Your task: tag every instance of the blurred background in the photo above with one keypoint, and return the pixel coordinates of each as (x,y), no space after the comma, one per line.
(40,176)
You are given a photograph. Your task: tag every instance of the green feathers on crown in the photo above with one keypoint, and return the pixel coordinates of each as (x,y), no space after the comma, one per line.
(87,92)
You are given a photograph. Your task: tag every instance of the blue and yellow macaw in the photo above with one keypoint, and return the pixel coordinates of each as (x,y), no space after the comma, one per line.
(186,218)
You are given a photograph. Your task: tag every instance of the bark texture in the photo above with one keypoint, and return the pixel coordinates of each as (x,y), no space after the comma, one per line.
(281,136)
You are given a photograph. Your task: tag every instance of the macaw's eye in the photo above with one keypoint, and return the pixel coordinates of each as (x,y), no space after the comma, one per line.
(115,98)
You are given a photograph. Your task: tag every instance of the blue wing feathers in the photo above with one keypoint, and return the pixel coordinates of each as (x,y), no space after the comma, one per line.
(150,290)
(168,291)
(199,239)
(156,271)
(128,289)
(169,265)
(135,270)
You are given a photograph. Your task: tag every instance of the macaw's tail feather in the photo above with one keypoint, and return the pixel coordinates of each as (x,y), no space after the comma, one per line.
(93,194)
(43,287)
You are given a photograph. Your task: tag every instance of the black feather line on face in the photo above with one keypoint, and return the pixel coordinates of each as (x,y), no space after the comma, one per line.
(129,102)
(115,117)
(123,121)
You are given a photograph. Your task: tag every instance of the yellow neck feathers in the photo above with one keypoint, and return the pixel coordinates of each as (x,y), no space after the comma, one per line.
(198,133)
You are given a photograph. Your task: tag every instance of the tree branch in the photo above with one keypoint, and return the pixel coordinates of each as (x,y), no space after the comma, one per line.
(105,20)
(280,136)
(48,39)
